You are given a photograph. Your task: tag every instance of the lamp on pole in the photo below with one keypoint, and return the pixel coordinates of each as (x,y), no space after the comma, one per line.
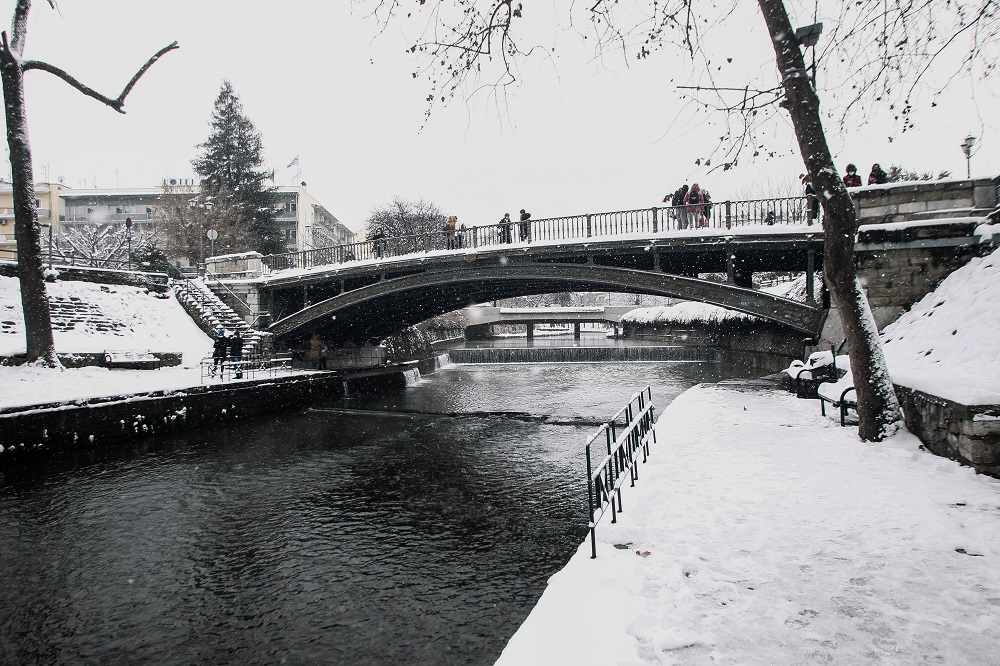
(967,145)
(808,35)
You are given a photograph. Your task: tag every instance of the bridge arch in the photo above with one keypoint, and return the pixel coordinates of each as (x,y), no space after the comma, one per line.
(380,309)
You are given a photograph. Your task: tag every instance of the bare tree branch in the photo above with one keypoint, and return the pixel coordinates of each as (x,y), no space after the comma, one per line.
(118,103)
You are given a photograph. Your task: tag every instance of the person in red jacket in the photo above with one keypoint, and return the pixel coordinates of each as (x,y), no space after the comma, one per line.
(694,203)
(852,179)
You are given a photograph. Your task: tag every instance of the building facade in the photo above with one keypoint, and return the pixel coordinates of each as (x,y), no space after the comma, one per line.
(50,210)
(305,223)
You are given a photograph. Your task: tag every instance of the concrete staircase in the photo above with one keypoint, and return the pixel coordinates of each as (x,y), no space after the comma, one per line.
(211,314)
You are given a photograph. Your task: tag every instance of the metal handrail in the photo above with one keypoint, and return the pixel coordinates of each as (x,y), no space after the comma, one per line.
(622,442)
(239,300)
(713,215)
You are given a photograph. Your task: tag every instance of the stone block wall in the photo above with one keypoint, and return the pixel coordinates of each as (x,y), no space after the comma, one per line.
(761,345)
(245,264)
(898,278)
(968,434)
(927,199)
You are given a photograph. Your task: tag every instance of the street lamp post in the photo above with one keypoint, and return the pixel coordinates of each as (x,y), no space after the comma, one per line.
(808,36)
(967,145)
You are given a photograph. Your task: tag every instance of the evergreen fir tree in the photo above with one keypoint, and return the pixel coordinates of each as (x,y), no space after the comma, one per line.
(232,173)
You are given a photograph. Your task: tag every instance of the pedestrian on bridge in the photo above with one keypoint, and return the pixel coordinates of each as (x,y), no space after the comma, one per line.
(812,198)
(677,203)
(449,231)
(852,179)
(504,227)
(878,176)
(524,226)
(694,203)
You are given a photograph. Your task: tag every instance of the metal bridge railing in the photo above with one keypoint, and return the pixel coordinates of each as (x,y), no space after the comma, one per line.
(624,436)
(645,221)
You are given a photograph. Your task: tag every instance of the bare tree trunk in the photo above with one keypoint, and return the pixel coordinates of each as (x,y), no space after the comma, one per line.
(27,232)
(878,409)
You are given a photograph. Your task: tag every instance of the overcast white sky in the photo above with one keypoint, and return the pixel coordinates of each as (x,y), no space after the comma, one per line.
(578,135)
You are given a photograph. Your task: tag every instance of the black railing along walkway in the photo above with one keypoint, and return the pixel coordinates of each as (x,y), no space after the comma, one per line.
(645,221)
(628,432)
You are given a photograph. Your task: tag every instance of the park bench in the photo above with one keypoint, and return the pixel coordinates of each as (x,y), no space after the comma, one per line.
(840,395)
(131,360)
(820,367)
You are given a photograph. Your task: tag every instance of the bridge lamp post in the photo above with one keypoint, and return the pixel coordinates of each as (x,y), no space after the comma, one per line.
(808,36)
(967,145)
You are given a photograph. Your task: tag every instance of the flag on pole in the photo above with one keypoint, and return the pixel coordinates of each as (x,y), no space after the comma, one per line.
(294,162)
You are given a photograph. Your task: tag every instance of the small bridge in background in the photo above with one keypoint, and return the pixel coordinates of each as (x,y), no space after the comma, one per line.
(480,318)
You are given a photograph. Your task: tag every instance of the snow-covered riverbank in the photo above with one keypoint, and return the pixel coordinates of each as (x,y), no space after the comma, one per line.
(760,532)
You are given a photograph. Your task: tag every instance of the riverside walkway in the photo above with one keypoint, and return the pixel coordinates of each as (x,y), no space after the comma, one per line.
(759,534)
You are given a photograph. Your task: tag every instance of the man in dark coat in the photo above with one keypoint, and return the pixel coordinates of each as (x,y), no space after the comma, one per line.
(523,226)
(877,176)
(236,352)
(677,201)
(219,351)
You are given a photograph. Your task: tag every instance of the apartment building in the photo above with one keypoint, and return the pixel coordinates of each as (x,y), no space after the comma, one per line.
(50,210)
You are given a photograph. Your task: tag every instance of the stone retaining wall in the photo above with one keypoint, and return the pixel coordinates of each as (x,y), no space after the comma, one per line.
(968,434)
(900,202)
(114,420)
(761,345)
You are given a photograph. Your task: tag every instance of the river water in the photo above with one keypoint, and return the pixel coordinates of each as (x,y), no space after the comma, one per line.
(416,528)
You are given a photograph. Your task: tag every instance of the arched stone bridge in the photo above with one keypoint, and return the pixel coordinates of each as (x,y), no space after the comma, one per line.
(373,289)
(372,299)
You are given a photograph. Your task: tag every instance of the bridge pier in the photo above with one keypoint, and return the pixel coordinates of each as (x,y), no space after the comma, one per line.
(531,330)
(576,330)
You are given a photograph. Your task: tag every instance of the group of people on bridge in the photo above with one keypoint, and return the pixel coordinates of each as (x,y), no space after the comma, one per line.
(505,228)
(691,206)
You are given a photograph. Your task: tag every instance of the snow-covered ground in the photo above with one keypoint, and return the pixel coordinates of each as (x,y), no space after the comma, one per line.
(760,532)
(143,322)
(947,344)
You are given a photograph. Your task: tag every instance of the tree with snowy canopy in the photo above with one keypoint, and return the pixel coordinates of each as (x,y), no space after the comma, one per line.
(39,341)
(469,42)
(233,177)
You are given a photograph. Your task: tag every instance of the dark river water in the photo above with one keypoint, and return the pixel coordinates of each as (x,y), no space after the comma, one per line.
(366,531)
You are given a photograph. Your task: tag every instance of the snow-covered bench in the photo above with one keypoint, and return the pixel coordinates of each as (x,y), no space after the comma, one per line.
(820,367)
(130,359)
(840,394)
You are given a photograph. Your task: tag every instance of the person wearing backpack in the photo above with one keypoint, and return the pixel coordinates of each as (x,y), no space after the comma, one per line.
(694,203)
(677,203)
